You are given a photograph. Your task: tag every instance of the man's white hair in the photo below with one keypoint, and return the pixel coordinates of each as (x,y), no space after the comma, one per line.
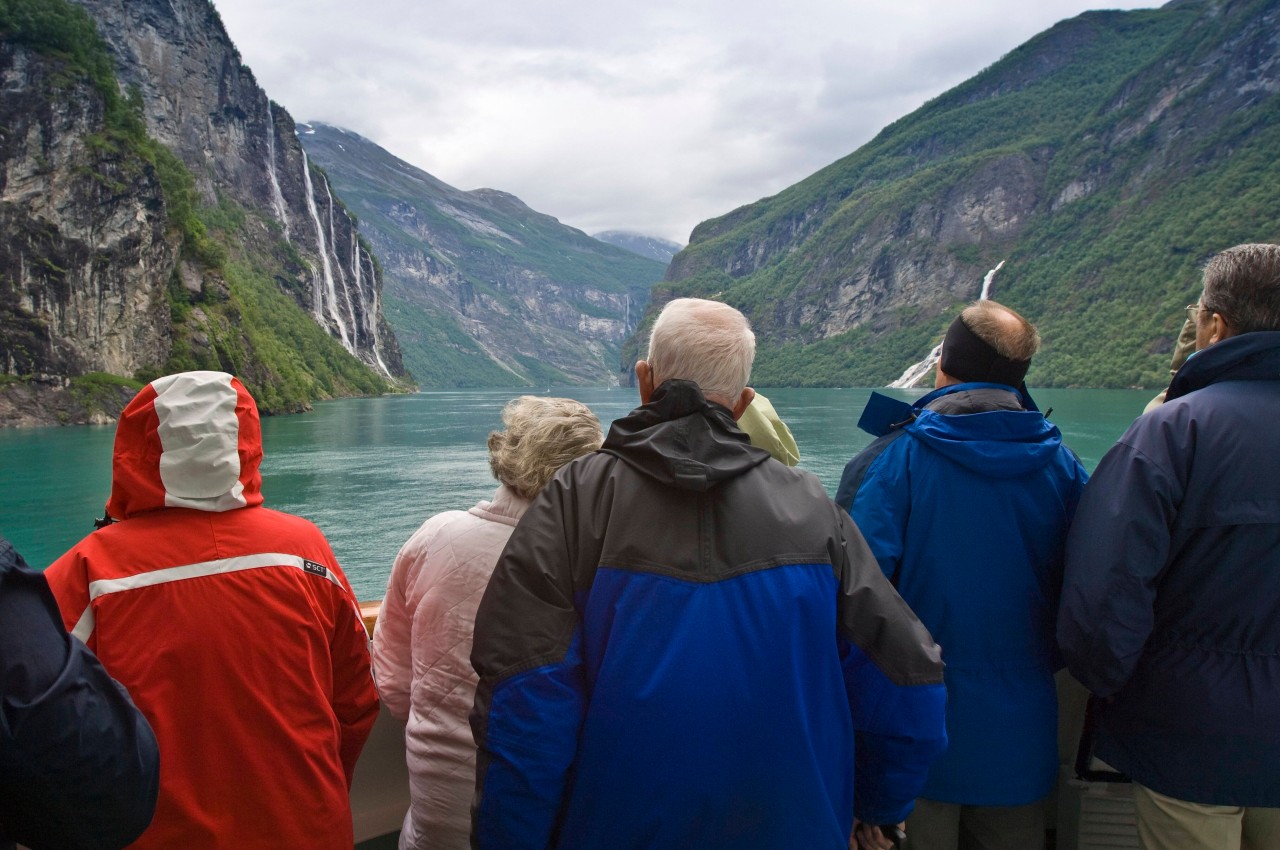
(706,342)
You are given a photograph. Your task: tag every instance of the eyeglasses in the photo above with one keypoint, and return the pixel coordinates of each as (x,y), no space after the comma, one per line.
(1193,311)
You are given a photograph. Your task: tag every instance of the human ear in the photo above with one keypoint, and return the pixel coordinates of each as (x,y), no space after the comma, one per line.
(644,380)
(744,401)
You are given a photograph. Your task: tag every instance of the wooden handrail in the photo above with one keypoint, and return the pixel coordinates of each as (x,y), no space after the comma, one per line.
(369,613)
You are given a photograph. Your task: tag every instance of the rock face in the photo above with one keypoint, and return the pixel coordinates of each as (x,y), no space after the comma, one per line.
(205,105)
(487,291)
(85,256)
(1104,160)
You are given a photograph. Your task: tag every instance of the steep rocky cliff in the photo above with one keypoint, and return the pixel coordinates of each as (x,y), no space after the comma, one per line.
(203,103)
(84,257)
(159,213)
(481,289)
(1104,160)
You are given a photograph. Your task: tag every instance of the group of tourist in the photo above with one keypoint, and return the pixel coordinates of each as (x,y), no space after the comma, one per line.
(665,637)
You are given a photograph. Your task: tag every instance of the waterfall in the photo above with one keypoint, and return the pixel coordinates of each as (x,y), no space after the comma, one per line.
(986,282)
(329,297)
(277,196)
(918,371)
(342,275)
(371,306)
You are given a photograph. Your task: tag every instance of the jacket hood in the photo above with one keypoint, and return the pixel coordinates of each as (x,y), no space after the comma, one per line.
(190,440)
(1248,357)
(994,442)
(683,440)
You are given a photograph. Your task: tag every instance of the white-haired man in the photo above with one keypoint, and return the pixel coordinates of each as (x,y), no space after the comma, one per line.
(684,638)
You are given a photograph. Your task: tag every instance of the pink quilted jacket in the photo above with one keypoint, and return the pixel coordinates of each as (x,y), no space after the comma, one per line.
(422,660)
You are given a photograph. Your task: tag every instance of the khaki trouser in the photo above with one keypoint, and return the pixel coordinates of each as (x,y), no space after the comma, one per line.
(1165,823)
(949,826)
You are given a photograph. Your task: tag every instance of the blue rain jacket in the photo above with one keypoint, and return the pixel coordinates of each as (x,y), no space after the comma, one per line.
(1171,602)
(966,505)
(687,644)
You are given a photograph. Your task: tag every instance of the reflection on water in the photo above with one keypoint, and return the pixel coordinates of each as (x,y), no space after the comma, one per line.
(369,471)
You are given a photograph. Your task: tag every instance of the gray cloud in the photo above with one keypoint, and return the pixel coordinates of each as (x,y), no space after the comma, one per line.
(621,115)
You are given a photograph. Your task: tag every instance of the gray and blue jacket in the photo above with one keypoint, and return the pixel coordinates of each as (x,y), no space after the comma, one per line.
(686,644)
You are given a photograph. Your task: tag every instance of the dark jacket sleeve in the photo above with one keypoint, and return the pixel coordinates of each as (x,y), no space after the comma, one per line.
(79,767)
(531,697)
(893,675)
(1118,544)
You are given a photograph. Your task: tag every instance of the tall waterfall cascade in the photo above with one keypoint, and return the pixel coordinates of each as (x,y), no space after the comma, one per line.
(918,371)
(372,309)
(277,196)
(324,300)
(341,274)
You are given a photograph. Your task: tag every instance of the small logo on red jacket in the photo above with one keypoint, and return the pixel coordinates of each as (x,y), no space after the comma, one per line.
(314,568)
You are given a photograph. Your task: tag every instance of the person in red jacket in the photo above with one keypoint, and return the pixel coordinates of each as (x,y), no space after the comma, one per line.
(231,625)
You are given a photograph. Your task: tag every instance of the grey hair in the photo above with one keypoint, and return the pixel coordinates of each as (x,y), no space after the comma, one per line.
(541,435)
(1243,284)
(706,342)
(1002,328)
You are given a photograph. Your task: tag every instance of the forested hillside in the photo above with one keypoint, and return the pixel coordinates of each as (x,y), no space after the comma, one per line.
(1104,161)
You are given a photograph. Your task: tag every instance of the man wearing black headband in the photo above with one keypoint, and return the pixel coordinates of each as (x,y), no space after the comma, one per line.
(965,501)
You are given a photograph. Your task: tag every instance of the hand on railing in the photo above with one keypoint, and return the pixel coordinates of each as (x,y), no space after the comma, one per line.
(889,836)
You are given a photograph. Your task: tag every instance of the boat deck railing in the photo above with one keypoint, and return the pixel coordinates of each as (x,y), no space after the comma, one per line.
(380,790)
(1079,813)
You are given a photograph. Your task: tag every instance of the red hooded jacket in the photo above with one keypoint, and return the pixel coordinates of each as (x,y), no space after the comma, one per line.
(231,625)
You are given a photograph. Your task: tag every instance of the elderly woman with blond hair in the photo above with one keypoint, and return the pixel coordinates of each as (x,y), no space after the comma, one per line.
(422,642)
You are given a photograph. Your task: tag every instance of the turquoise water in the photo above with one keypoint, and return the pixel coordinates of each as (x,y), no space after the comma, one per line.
(369,471)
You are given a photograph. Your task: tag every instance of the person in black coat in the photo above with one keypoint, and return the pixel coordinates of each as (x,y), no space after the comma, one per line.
(79,766)
(1170,609)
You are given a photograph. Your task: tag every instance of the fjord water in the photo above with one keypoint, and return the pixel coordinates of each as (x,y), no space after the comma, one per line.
(369,471)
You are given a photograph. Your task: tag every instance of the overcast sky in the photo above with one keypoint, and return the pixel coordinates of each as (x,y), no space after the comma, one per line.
(648,115)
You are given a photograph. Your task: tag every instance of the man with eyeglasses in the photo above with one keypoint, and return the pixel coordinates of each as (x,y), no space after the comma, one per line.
(1171,599)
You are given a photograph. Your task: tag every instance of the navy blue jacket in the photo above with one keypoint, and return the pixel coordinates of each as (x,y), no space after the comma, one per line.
(1171,602)
(687,644)
(966,507)
(78,762)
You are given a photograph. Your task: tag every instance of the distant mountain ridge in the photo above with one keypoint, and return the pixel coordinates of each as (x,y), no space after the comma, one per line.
(1104,161)
(652,247)
(480,289)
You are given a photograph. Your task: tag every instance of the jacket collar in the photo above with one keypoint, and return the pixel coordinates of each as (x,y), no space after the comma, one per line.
(883,414)
(1248,357)
(505,507)
(979,399)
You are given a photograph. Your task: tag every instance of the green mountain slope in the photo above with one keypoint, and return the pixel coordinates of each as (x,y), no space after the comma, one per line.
(481,290)
(1103,161)
(114,268)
